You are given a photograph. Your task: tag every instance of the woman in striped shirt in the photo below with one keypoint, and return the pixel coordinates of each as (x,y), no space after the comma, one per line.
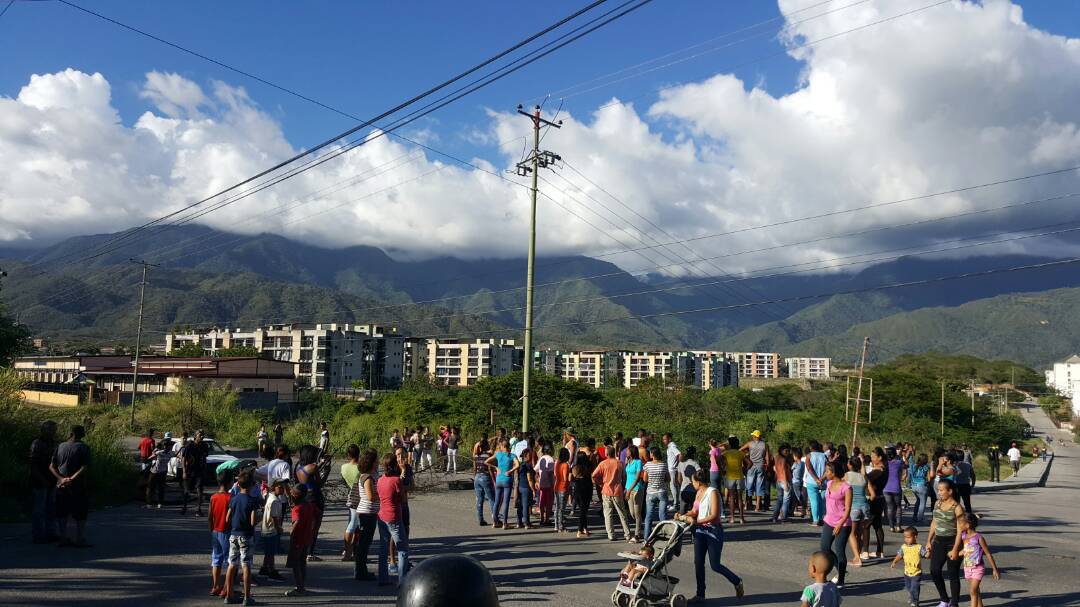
(367,511)
(657,478)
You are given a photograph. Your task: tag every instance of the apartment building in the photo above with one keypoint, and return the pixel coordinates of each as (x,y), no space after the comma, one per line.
(328,355)
(598,368)
(674,367)
(1064,378)
(757,364)
(809,368)
(462,362)
(714,370)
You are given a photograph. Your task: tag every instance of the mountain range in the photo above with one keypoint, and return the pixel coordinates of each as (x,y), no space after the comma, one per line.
(207,277)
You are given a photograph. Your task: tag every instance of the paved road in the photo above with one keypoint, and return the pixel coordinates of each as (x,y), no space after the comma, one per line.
(156,557)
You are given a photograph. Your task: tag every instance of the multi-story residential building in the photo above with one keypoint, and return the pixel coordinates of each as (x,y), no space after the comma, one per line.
(714,370)
(758,364)
(462,362)
(328,355)
(809,368)
(598,368)
(1065,379)
(674,367)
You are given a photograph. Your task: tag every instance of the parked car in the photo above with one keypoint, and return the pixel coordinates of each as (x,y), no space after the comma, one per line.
(215,457)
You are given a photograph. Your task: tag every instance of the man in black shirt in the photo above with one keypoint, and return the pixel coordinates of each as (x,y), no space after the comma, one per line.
(69,466)
(193,463)
(43,484)
(993,454)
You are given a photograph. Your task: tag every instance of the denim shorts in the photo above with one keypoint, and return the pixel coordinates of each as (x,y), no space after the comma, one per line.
(860,512)
(219,548)
(737,484)
(354,522)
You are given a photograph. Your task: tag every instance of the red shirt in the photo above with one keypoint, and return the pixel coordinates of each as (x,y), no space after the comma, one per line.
(219,507)
(303,520)
(612,477)
(389,489)
(146,448)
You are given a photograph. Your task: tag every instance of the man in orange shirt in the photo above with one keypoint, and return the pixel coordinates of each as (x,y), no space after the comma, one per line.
(612,478)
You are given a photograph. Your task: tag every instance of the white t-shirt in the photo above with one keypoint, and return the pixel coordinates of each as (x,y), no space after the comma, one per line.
(271,510)
(324,440)
(276,469)
(1014,455)
(672,455)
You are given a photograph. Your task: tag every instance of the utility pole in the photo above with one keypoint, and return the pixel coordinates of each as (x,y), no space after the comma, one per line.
(943,407)
(532,165)
(138,336)
(858,393)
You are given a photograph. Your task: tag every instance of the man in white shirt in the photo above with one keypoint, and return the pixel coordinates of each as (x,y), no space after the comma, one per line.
(1014,458)
(324,437)
(673,456)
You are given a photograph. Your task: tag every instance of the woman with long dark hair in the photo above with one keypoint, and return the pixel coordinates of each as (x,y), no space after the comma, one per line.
(367,513)
(307,474)
(581,478)
(875,481)
(837,528)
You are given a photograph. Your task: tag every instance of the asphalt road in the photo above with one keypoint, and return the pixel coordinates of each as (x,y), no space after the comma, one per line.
(157,557)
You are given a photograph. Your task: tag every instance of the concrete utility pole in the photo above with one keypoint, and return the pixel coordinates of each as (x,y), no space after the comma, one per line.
(532,165)
(973,402)
(943,407)
(138,336)
(858,393)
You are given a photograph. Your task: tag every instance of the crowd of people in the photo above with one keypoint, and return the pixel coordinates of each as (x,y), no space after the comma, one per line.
(555,483)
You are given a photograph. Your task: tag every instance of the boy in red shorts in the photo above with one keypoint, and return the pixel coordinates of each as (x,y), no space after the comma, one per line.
(301,538)
(219,533)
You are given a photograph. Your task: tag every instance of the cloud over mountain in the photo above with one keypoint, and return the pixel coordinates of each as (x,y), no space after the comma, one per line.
(954,95)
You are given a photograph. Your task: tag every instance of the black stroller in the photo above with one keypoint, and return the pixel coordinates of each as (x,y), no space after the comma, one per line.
(654,587)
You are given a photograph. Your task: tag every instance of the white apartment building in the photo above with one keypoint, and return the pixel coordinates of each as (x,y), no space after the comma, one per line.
(329,355)
(809,368)
(1065,379)
(758,364)
(714,370)
(674,367)
(462,362)
(598,368)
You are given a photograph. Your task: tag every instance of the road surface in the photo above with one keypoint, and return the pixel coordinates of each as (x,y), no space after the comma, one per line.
(157,558)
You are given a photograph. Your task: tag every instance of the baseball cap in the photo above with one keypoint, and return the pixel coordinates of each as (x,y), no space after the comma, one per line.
(168,435)
(756,434)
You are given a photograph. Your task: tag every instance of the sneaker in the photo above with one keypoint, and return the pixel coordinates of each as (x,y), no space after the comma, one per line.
(483,523)
(158,506)
(295,592)
(232,600)
(249,601)
(739,590)
(312,558)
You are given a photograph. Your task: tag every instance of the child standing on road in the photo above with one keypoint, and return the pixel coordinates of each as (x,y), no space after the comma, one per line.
(974,549)
(219,534)
(241,517)
(303,533)
(562,486)
(912,553)
(273,512)
(822,593)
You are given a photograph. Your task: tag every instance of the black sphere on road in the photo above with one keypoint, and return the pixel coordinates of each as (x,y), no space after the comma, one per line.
(449,580)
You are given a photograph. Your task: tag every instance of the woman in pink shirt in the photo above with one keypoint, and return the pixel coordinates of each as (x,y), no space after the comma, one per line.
(837,527)
(715,454)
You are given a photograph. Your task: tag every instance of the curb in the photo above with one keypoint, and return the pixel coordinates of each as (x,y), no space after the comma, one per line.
(1019,485)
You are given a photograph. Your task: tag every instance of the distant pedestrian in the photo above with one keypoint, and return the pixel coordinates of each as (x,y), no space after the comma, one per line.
(635,491)
(483,484)
(918,480)
(673,456)
(452,440)
(782,473)
(760,459)
(1014,458)
(279,434)
(261,438)
(503,465)
(735,479)
(580,477)
(159,469)
(193,462)
(814,479)
(43,485)
(324,438)
(146,454)
(367,511)
(562,488)
(545,483)
(964,476)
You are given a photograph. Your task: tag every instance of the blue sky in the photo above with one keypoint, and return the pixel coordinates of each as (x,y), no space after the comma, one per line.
(958,94)
(363,57)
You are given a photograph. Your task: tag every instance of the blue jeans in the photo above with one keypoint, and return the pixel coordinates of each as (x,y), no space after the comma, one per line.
(796,496)
(502,502)
(44,517)
(655,510)
(560,510)
(484,491)
(755,482)
(781,507)
(393,532)
(815,494)
(911,584)
(710,540)
(524,506)
(920,502)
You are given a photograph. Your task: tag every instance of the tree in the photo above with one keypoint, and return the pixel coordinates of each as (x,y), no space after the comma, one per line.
(246,351)
(358,384)
(14,339)
(188,350)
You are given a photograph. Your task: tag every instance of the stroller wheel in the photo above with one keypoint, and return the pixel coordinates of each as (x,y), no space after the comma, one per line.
(615,598)
(678,600)
(641,603)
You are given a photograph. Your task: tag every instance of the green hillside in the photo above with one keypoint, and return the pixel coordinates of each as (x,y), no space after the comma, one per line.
(1031,328)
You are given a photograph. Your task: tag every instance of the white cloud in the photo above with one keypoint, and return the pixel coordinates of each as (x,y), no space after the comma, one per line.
(954,95)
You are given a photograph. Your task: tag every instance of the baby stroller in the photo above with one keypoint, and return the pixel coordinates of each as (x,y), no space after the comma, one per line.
(654,587)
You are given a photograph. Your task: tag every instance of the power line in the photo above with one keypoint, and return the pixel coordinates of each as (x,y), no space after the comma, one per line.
(400,106)
(10,2)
